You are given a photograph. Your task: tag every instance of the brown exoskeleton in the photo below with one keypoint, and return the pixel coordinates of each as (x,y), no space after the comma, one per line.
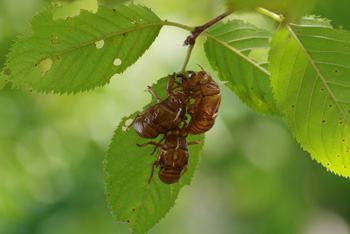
(173,157)
(206,93)
(164,115)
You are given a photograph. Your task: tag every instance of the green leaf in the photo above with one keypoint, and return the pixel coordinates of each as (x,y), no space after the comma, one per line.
(310,70)
(238,52)
(80,53)
(130,197)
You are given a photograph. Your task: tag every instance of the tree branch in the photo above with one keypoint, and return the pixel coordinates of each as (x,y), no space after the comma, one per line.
(191,39)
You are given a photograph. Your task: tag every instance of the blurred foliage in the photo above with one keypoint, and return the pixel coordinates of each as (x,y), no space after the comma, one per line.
(291,9)
(336,10)
(253,177)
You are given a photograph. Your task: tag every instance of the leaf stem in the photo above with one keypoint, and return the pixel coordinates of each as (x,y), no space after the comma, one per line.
(188,55)
(195,32)
(270,14)
(169,23)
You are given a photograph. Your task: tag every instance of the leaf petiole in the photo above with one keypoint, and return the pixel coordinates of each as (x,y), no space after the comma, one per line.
(270,14)
(188,55)
(169,23)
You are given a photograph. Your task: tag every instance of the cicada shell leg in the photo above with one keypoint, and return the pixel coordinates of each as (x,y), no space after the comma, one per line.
(192,72)
(155,164)
(172,81)
(170,84)
(133,121)
(194,143)
(182,76)
(153,143)
(184,170)
(184,127)
(151,90)
(147,143)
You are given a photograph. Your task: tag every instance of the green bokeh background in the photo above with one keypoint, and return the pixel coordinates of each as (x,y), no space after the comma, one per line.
(253,177)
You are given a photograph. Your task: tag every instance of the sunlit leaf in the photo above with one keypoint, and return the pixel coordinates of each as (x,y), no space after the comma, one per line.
(310,73)
(85,51)
(238,52)
(130,197)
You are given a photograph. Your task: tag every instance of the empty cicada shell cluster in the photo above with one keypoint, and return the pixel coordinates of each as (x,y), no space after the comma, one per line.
(168,117)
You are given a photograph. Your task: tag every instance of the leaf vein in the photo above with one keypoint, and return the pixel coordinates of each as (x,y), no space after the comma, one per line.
(237,52)
(319,74)
(247,38)
(325,38)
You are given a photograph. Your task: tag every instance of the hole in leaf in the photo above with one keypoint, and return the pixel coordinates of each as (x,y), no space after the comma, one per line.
(133,22)
(141,19)
(45,66)
(117,62)
(99,44)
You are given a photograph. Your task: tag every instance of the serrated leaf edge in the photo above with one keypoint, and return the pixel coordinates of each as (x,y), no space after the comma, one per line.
(120,125)
(55,91)
(255,64)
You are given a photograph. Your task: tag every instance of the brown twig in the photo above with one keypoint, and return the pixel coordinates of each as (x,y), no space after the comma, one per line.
(191,39)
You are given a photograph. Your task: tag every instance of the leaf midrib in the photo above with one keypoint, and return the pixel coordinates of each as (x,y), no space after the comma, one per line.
(236,52)
(161,23)
(106,37)
(319,74)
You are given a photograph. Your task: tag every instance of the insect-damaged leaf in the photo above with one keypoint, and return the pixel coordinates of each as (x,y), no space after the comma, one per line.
(310,71)
(82,50)
(130,197)
(238,52)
